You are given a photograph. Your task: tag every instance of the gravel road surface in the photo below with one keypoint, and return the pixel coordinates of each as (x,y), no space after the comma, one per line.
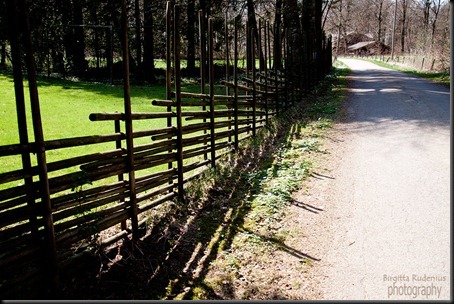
(391,191)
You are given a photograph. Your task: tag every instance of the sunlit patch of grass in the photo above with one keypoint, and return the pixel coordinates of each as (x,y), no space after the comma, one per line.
(65,108)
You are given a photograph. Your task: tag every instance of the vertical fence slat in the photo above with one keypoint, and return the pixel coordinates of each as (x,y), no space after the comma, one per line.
(265,55)
(286,66)
(227,54)
(269,43)
(51,247)
(254,89)
(177,75)
(248,56)
(20,105)
(276,63)
(203,66)
(128,126)
(227,65)
(261,62)
(169,68)
(235,80)
(259,45)
(120,176)
(211,76)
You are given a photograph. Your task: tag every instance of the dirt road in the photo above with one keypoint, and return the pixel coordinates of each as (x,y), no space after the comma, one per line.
(388,200)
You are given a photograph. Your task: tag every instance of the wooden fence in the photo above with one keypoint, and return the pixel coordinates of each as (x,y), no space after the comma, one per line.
(48,210)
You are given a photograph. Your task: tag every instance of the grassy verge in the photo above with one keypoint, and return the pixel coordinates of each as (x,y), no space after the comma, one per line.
(440,77)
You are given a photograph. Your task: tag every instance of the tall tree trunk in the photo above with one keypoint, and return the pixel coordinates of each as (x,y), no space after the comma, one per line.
(319,37)
(436,11)
(339,28)
(426,14)
(380,20)
(404,25)
(253,24)
(113,7)
(293,33)
(191,37)
(138,23)
(205,7)
(78,43)
(3,54)
(325,11)
(148,41)
(94,15)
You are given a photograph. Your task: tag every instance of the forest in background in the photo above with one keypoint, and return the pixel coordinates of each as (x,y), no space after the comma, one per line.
(73,37)
(81,37)
(421,26)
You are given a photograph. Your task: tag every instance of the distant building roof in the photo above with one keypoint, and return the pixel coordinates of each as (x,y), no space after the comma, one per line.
(359,45)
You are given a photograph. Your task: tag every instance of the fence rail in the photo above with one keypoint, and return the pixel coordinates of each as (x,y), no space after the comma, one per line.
(45,220)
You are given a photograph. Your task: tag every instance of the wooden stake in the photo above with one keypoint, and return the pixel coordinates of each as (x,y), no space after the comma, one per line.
(177,74)
(254,87)
(211,72)
(203,65)
(20,106)
(51,247)
(120,176)
(235,81)
(265,31)
(128,124)
(169,66)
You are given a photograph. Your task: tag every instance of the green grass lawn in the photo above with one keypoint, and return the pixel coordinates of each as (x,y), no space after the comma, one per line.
(65,109)
(66,105)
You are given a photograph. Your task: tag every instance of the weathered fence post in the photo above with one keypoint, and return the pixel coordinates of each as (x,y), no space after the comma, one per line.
(227,66)
(50,248)
(261,67)
(235,81)
(203,67)
(177,75)
(286,66)
(211,76)
(265,30)
(276,64)
(128,126)
(248,59)
(20,107)
(120,176)
(254,86)
(169,69)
